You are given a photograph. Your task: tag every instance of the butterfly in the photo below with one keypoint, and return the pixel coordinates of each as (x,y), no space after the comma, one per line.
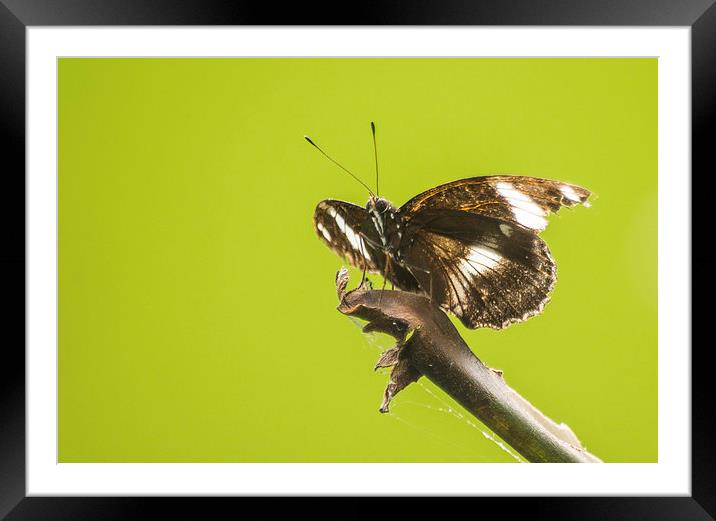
(472,245)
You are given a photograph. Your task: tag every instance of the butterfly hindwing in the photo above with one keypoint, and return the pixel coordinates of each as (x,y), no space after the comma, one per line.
(488,272)
(522,200)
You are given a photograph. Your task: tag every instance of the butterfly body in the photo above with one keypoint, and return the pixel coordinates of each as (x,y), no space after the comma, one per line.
(471,246)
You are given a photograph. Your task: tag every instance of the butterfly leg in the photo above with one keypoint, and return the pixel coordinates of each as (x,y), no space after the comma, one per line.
(387,270)
(365,264)
(385,278)
(430,289)
(412,267)
(363,279)
(431,285)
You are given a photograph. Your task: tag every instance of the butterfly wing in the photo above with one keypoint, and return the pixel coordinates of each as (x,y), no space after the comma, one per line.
(522,200)
(345,228)
(488,272)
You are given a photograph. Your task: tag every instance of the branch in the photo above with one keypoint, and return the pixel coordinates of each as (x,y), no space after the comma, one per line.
(429,345)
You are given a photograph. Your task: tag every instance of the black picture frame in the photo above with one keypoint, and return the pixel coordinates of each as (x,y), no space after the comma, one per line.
(17,15)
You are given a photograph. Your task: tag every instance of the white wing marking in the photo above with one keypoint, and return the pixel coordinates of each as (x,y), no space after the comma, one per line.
(356,240)
(526,211)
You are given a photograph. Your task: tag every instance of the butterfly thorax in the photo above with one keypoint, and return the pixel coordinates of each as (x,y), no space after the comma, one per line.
(387,222)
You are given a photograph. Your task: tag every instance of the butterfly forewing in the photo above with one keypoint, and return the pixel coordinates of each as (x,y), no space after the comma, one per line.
(346,229)
(526,201)
(488,272)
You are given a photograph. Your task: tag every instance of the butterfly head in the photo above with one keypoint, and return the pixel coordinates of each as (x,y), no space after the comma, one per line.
(377,206)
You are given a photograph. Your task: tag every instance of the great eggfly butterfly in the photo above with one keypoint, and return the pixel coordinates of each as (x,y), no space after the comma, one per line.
(470,245)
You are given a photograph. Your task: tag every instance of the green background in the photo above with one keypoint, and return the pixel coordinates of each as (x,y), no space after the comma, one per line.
(197,316)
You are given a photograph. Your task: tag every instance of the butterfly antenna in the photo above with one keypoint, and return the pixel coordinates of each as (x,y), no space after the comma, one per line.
(339,165)
(375,153)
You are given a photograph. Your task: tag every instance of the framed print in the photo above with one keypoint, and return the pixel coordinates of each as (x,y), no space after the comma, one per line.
(194,195)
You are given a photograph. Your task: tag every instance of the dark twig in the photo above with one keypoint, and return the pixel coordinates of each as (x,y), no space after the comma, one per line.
(429,345)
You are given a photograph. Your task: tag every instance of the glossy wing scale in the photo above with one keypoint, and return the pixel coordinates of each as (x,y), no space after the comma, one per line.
(526,201)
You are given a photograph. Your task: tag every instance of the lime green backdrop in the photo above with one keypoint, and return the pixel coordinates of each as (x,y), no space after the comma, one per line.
(197,316)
